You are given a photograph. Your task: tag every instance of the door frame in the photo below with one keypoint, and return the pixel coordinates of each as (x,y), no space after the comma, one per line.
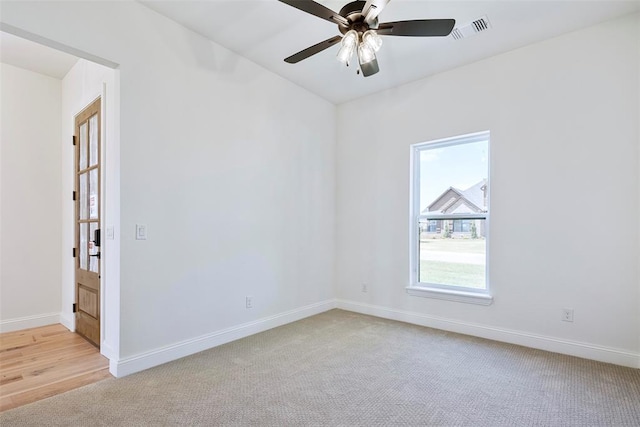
(90,84)
(104,83)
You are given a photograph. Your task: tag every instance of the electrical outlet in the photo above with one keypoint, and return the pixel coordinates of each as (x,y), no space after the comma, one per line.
(365,289)
(567,314)
(141,232)
(249,302)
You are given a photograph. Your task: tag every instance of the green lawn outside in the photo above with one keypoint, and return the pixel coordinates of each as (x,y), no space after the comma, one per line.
(473,246)
(453,262)
(452,273)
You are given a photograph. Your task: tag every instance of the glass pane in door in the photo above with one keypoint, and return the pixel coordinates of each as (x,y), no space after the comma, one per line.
(84,238)
(82,161)
(83,208)
(93,249)
(93,194)
(93,140)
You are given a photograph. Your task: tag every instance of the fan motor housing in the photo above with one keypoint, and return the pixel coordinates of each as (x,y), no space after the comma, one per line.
(353,12)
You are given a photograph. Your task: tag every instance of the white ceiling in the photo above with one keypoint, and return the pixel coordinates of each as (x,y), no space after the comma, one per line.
(267,31)
(35,57)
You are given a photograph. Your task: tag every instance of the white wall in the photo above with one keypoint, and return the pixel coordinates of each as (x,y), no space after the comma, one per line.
(85,82)
(563,116)
(230,167)
(30,193)
(234,172)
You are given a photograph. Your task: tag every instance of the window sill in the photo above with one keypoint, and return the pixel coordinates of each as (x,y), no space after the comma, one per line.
(450,295)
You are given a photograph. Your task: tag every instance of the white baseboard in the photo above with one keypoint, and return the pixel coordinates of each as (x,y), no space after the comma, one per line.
(27,322)
(555,345)
(68,322)
(107,351)
(140,362)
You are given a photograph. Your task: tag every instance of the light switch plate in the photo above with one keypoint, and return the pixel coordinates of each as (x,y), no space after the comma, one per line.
(110,232)
(141,231)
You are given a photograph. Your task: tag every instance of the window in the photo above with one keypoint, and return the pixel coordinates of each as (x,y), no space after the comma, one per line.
(449,219)
(432,226)
(461,225)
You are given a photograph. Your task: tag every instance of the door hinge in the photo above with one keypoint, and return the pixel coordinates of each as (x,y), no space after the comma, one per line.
(74,252)
(73,139)
(75,307)
(74,196)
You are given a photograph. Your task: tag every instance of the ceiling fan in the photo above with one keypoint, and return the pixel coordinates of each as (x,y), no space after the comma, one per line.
(358,24)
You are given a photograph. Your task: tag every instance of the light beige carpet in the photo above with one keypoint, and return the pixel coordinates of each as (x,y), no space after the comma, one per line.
(343,369)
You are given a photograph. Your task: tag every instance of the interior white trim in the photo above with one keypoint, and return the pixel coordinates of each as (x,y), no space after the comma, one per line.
(68,321)
(55,45)
(422,289)
(107,351)
(27,322)
(140,362)
(555,345)
(450,295)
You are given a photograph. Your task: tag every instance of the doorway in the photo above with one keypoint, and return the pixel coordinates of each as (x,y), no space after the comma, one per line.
(57,295)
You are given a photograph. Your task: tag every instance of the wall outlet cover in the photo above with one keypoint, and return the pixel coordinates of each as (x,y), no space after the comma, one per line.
(141,231)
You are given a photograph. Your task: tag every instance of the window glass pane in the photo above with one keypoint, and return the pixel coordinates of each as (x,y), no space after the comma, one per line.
(453,258)
(93,140)
(434,226)
(453,179)
(93,249)
(84,208)
(461,225)
(82,161)
(93,194)
(84,238)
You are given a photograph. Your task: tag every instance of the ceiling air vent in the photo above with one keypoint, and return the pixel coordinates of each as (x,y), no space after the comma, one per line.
(475,27)
(457,34)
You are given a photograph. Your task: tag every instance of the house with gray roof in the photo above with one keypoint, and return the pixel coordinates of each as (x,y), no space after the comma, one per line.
(457,201)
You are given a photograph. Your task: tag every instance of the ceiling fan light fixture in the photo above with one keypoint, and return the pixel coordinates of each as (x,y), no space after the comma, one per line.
(345,53)
(372,39)
(349,43)
(365,53)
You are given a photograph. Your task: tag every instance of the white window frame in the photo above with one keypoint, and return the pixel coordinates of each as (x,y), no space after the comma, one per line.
(433,290)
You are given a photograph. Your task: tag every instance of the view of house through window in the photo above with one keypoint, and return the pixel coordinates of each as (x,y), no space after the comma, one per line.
(450,212)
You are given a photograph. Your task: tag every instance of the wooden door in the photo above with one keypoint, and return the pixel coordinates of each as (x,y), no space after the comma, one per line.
(87,218)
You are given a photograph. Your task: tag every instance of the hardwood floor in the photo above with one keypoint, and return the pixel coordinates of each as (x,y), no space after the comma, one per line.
(42,362)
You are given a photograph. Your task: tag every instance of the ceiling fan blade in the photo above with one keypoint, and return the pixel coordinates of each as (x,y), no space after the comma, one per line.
(418,28)
(372,9)
(370,68)
(316,48)
(318,10)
